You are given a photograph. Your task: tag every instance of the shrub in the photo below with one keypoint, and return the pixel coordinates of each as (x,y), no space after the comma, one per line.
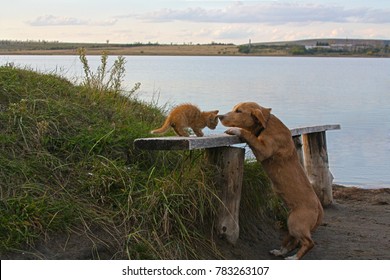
(105,79)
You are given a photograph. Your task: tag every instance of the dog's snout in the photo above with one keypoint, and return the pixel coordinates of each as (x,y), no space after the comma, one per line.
(221,117)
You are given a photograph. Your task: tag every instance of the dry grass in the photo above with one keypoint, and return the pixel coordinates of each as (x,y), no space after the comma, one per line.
(191,50)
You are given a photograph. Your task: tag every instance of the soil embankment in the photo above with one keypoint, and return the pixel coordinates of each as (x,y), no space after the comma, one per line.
(356,226)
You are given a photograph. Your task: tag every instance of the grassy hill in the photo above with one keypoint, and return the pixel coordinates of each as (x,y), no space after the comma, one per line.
(320,47)
(69,172)
(367,42)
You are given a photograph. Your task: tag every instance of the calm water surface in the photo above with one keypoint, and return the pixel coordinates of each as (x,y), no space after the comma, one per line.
(353,92)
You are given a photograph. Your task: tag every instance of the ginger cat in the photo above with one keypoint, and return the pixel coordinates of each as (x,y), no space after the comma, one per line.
(188,116)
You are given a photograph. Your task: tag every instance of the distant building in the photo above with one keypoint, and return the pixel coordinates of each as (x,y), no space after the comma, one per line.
(341,47)
(330,46)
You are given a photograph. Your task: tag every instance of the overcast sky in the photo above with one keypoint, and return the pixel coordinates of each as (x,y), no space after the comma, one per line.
(192,21)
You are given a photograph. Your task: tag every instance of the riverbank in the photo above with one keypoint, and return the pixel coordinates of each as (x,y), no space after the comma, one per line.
(178,50)
(355,227)
(190,50)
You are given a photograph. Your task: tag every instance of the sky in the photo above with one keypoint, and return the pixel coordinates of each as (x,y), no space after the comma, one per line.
(192,21)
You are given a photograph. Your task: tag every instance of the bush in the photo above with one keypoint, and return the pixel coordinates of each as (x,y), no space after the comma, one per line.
(298,50)
(244,49)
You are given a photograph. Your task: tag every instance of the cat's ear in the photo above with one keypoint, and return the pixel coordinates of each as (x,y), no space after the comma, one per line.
(215,112)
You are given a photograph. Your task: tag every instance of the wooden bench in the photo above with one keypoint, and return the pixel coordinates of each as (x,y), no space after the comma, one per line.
(310,143)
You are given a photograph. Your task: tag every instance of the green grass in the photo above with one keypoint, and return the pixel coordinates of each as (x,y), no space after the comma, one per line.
(68,165)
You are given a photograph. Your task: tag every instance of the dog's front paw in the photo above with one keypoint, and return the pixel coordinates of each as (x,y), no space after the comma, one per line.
(234,131)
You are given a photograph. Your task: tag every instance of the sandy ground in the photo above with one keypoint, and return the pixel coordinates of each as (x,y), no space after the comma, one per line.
(356,226)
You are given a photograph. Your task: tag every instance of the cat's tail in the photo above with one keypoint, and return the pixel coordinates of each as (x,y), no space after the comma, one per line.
(164,128)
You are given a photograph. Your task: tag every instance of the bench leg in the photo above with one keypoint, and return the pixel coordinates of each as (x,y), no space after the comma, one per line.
(230,161)
(298,147)
(317,166)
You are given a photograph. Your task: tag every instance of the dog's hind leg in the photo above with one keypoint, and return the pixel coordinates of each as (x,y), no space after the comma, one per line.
(306,245)
(289,243)
(299,223)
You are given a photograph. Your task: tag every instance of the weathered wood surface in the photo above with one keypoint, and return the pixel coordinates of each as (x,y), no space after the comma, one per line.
(317,165)
(211,141)
(313,129)
(230,162)
(186,143)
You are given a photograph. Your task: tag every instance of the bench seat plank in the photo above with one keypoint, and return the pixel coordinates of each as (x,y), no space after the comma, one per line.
(186,143)
(211,141)
(313,129)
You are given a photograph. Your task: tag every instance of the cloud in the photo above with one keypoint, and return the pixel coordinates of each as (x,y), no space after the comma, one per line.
(272,13)
(226,32)
(106,22)
(51,20)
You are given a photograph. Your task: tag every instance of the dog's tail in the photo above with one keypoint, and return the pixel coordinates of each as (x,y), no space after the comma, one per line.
(163,129)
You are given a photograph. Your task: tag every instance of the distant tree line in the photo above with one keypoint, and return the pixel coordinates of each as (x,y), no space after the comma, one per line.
(56,45)
(321,48)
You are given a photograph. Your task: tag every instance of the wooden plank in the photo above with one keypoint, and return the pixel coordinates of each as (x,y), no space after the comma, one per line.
(186,143)
(313,129)
(212,141)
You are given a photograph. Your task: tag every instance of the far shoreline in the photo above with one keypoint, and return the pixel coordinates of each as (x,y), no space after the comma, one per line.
(174,50)
(363,187)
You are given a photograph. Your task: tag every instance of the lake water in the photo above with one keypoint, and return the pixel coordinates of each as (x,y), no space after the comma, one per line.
(352,92)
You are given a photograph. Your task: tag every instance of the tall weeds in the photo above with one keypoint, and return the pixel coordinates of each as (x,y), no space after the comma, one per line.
(106,79)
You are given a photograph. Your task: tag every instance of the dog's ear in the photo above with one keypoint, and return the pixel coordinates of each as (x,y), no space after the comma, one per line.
(262,116)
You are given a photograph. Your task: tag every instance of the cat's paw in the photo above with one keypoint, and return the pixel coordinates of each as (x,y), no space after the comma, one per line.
(234,131)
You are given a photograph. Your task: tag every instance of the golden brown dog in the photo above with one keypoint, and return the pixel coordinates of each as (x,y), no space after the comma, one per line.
(272,144)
